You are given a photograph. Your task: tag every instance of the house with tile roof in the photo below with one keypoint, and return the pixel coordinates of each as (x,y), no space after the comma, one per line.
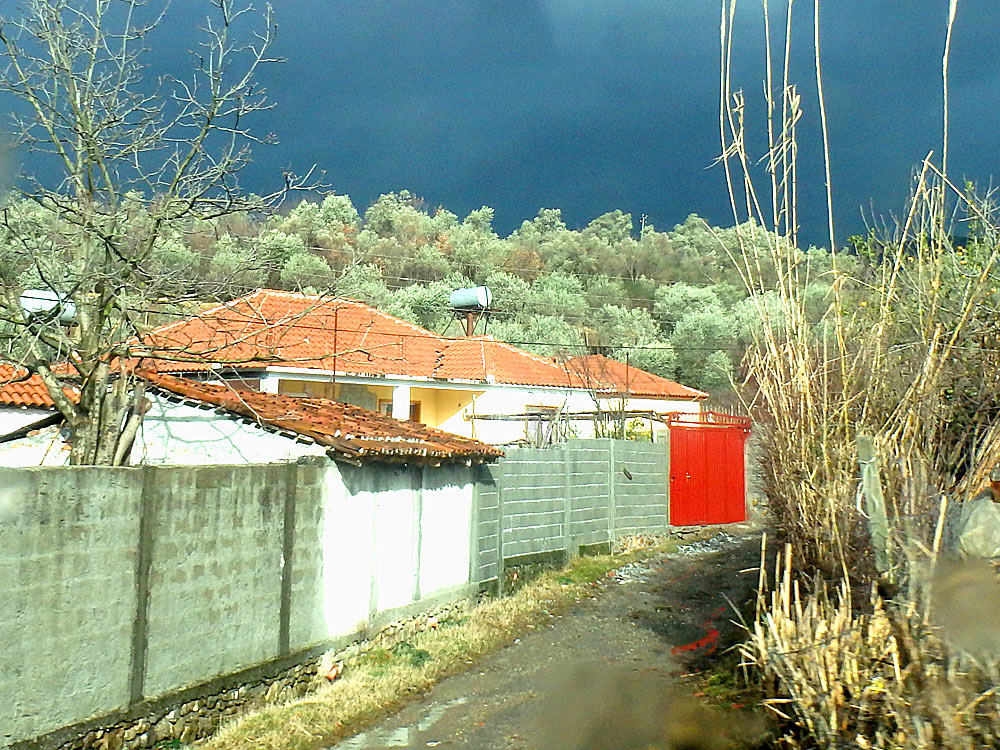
(198,422)
(305,345)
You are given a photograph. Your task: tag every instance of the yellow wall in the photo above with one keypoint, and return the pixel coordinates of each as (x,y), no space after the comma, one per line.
(437,405)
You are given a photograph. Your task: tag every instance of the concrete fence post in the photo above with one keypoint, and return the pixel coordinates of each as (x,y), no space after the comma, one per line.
(373,560)
(477,475)
(612,505)
(568,504)
(418,528)
(287,549)
(501,522)
(144,559)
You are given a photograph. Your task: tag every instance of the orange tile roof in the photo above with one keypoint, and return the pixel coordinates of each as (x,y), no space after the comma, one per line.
(286,328)
(485,359)
(17,388)
(271,327)
(349,432)
(603,374)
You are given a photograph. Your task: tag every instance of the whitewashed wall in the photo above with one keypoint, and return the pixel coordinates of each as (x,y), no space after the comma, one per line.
(15,417)
(517,400)
(171,433)
(391,537)
(175,433)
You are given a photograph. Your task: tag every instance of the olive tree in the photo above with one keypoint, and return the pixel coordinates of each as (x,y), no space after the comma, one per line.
(75,74)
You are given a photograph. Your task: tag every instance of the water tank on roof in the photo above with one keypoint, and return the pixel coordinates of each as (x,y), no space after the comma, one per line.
(474,298)
(49,305)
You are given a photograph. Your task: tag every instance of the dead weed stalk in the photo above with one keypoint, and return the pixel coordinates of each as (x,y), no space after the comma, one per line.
(906,351)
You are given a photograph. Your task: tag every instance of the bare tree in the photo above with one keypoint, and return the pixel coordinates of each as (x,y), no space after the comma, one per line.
(141,162)
(610,397)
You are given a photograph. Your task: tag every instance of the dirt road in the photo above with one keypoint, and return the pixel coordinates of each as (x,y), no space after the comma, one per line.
(604,673)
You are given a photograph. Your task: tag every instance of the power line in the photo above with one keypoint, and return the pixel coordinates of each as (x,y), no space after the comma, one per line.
(297,324)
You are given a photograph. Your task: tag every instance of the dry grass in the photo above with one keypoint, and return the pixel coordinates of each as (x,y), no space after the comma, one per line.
(887,676)
(383,679)
(907,352)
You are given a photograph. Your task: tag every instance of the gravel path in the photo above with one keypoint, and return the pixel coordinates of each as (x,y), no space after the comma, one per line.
(604,674)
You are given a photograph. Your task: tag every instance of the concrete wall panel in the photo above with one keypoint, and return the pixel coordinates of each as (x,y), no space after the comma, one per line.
(396,539)
(215,577)
(348,549)
(445,523)
(68,550)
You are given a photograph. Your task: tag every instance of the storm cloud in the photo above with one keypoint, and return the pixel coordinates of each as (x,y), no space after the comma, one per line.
(592,106)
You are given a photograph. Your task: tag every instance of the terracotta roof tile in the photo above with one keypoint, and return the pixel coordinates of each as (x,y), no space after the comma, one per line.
(349,432)
(603,374)
(271,327)
(19,389)
(486,359)
(301,330)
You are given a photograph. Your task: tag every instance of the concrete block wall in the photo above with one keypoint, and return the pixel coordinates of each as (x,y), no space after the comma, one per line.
(641,488)
(533,502)
(588,471)
(68,551)
(557,499)
(120,586)
(488,479)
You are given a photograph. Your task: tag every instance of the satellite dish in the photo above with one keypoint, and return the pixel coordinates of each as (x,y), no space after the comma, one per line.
(48,305)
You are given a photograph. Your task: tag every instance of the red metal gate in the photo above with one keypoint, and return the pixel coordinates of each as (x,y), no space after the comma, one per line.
(707,468)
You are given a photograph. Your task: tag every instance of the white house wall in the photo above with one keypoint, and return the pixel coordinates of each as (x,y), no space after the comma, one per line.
(514,400)
(171,433)
(15,417)
(45,448)
(177,433)
(487,398)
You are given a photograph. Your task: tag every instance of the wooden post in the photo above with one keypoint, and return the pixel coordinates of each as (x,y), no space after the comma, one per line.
(871,489)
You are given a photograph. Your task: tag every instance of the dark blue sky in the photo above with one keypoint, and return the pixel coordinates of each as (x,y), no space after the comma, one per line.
(592,105)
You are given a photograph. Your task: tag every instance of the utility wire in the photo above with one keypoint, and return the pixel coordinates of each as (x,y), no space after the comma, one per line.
(250,318)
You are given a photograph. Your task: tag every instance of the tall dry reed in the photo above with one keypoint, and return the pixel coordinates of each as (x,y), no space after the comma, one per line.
(907,351)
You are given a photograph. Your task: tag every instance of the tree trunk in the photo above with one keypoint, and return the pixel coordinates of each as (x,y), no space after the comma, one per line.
(93,444)
(104,406)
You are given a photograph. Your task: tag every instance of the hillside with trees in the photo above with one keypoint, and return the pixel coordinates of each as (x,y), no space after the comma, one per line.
(673,302)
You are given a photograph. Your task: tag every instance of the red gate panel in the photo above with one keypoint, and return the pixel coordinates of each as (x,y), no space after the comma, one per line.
(707,468)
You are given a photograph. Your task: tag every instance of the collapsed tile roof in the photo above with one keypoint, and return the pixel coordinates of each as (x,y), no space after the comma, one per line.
(349,432)
(613,377)
(271,327)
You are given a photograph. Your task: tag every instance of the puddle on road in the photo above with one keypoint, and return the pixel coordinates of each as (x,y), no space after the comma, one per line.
(402,736)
